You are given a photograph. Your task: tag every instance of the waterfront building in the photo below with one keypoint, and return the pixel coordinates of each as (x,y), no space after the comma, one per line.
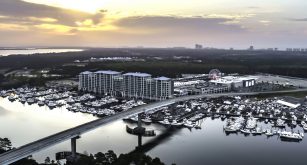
(215,89)
(163,88)
(130,85)
(234,82)
(135,84)
(86,81)
(104,82)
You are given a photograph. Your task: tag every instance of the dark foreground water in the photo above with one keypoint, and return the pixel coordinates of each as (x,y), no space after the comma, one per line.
(209,145)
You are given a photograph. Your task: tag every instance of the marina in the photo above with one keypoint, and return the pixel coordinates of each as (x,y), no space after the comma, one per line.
(242,115)
(210,140)
(72,101)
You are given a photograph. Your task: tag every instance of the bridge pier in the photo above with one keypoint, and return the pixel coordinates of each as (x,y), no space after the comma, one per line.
(139,141)
(74,147)
(139,121)
(140,131)
(140,128)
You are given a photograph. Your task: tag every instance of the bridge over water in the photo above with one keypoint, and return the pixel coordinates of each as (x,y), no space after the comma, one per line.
(73,133)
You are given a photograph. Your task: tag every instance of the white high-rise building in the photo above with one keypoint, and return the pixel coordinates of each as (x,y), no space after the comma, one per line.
(131,85)
(104,82)
(86,81)
(164,88)
(135,84)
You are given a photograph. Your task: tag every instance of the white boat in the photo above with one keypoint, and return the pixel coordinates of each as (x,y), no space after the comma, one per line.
(230,129)
(52,104)
(176,123)
(216,116)
(291,135)
(134,118)
(165,122)
(60,103)
(257,131)
(280,123)
(23,100)
(245,131)
(88,103)
(269,133)
(70,100)
(77,100)
(126,118)
(12,98)
(3,93)
(74,108)
(147,120)
(28,95)
(96,104)
(189,124)
(251,123)
(30,100)
(40,103)
(197,126)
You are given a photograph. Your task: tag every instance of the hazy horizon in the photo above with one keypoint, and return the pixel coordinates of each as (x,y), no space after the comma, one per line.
(119,23)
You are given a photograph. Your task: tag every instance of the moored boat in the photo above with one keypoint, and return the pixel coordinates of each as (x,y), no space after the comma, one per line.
(40,103)
(291,135)
(176,123)
(52,104)
(245,131)
(257,131)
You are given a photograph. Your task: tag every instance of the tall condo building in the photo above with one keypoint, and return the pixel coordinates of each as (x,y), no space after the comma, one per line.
(131,85)
(104,82)
(135,85)
(86,81)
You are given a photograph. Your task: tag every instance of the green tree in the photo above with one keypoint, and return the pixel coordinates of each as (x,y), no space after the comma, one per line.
(111,156)
(5,144)
(156,161)
(47,160)
(100,157)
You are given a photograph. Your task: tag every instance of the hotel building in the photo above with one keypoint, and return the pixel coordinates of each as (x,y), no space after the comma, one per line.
(130,85)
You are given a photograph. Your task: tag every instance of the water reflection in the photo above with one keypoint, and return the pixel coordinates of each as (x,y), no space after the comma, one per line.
(208,145)
(160,139)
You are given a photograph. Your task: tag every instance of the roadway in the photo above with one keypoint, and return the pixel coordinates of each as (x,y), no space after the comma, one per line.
(31,148)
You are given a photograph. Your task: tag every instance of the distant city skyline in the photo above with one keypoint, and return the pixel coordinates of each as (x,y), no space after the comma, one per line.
(117,23)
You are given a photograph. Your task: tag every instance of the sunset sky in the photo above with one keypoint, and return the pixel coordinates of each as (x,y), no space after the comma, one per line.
(154,23)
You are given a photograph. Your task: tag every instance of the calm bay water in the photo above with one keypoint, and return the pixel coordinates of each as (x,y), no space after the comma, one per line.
(209,145)
(35,51)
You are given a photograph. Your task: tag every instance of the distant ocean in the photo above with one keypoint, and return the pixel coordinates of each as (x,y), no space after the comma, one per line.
(7,52)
